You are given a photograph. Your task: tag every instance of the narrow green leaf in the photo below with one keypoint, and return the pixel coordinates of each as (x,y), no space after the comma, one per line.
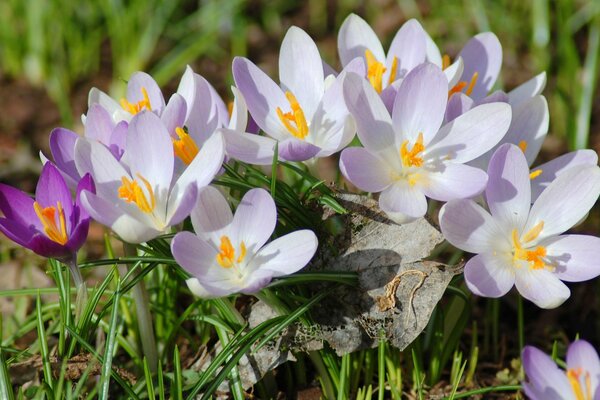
(110,345)
(43,341)
(177,386)
(6,391)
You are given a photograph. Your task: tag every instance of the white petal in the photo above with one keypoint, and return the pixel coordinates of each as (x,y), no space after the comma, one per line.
(488,275)
(542,287)
(527,90)
(355,37)
(287,254)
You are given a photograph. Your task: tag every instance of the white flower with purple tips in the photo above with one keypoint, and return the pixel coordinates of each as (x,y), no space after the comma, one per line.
(228,254)
(409,155)
(520,244)
(546,381)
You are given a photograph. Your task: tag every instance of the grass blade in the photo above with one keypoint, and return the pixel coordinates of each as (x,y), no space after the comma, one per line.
(110,345)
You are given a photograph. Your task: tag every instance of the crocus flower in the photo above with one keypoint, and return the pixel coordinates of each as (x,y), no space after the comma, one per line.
(228,253)
(52,224)
(520,244)
(546,381)
(407,156)
(306,114)
(143,200)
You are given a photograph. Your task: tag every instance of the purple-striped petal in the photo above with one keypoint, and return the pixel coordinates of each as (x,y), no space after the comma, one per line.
(211,215)
(454,181)
(458,104)
(545,380)
(287,254)
(62,146)
(420,104)
(98,124)
(355,37)
(52,189)
(466,225)
(409,47)
(489,276)
(583,357)
(297,150)
(248,147)
(180,205)
(18,206)
(575,258)
(482,55)
(139,81)
(254,220)
(508,193)
(365,170)
(527,90)
(402,198)
(174,114)
(541,287)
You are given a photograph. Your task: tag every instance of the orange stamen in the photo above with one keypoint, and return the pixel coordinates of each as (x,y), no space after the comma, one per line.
(134,108)
(47,216)
(411,158)
(132,192)
(375,71)
(184,147)
(226,257)
(299,129)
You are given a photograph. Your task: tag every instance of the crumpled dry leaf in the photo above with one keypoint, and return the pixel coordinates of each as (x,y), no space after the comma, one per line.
(397,291)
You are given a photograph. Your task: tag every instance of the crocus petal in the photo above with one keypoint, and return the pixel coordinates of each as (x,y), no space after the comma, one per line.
(388,95)
(150,150)
(254,220)
(582,356)
(287,254)
(557,166)
(96,96)
(42,245)
(195,255)
(355,37)
(256,281)
(420,104)
(16,231)
(365,170)
(262,95)
(239,114)
(301,69)
(211,214)
(453,72)
(98,124)
(527,90)
(373,121)
(565,201)
(482,54)
(248,147)
(52,189)
(454,181)
(541,287)
(458,104)
(118,139)
(508,193)
(139,81)
(129,228)
(174,114)
(205,165)
(433,53)
(575,258)
(409,47)
(495,97)
(403,198)
(472,134)
(297,150)
(179,205)
(202,114)
(529,126)
(62,146)
(18,206)
(489,276)
(466,225)
(545,380)
(202,291)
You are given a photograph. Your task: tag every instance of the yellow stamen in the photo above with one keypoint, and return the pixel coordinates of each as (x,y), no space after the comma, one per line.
(375,71)
(462,84)
(230,108)
(184,147)
(299,129)
(47,215)
(535,174)
(523,145)
(134,108)
(445,61)
(393,71)
(411,158)
(534,257)
(226,257)
(573,375)
(132,192)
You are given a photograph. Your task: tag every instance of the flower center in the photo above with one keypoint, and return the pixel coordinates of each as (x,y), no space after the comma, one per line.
(574,377)
(375,71)
(56,231)
(184,147)
(132,192)
(294,121)
(412,157)
(134,108)
(226,257)
(534,257)
(462,84)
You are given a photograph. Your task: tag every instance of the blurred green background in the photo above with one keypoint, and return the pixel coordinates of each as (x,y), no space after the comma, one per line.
(53,51)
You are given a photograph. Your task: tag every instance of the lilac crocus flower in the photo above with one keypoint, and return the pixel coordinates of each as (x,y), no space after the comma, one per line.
(546,381)
(407,156)
(306,114)
(52,224)
(141,201)
(228,254)
(520,244)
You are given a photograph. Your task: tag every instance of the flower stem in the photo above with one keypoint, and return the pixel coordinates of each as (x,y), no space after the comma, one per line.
(145,327)
(81,297)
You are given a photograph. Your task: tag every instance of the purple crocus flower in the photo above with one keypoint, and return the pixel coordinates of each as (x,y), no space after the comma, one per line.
(143,199)
(52,224)
(520,244)
(228,254)
(546,381)
(407,156)
(306,114)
